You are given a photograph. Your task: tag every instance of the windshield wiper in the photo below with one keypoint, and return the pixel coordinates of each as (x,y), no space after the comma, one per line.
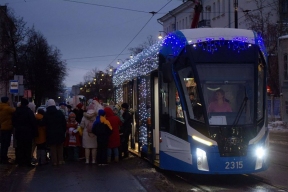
(243,105)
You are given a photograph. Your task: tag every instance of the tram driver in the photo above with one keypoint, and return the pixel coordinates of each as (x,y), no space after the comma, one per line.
(220,104)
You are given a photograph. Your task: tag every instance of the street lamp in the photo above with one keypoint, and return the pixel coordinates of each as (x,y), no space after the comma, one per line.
(160,35)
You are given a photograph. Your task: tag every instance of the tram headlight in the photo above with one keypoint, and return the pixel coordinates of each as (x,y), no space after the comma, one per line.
(260,152)
(200,153)
(202,163)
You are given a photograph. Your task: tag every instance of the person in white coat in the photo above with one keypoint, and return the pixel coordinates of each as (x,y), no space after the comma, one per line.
(89,140)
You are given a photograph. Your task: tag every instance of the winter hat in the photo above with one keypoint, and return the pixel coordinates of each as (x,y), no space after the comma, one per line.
(101,112)
(125,105)
(18,104)
(95,98)
(62,103)
(72,115)
(4,99)
(50,102)
(79,105)
(41,111)
(69,106)
(24,102)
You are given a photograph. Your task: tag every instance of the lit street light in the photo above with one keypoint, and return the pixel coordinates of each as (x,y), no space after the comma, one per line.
(160,34)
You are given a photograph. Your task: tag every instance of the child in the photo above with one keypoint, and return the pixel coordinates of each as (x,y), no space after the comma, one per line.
(40,140)
(72,140)
(102,129)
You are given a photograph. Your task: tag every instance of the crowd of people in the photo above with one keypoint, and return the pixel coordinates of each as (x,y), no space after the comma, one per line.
(99,134)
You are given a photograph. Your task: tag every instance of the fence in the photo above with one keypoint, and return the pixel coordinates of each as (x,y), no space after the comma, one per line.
(276,107)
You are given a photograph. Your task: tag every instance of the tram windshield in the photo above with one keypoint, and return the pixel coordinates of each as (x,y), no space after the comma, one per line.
(228,92)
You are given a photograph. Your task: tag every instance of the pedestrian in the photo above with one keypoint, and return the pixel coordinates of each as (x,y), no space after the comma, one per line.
(126,129)
(63,108)
(89,139)
(6,112)
(55,124)
(114,139)
(24,122)
(102,129)
(72,140)
(40,140)
(78,112)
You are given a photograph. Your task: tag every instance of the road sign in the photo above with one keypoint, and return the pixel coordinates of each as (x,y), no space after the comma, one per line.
(13,86)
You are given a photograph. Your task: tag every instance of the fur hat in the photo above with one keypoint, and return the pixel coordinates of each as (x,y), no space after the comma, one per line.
(24,102)
(4,99)
(50,102)
(125,105)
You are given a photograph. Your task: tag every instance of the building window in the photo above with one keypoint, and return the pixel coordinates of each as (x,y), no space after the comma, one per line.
(285,67)
(223,6)
(214,10)
(218,8)
(208,12)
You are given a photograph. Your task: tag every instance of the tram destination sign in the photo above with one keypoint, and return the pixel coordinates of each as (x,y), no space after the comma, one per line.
(14,86)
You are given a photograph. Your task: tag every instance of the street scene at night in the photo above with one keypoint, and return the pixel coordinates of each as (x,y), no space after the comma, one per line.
(166,95)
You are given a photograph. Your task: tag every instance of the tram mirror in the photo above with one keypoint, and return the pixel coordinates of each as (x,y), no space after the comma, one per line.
(167,72)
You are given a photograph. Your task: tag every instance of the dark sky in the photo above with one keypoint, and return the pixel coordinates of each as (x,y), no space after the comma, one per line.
(92,33)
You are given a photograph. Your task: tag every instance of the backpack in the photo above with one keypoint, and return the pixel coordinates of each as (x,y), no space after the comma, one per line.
(89,126)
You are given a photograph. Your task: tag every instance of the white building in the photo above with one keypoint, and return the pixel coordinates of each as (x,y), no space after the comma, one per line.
(216,13)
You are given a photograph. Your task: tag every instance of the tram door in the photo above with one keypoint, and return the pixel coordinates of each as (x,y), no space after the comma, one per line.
(156,118)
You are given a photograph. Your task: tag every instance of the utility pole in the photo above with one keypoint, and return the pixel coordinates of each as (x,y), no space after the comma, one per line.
(236,13)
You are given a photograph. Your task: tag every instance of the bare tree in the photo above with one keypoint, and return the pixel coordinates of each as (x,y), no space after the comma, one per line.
(262,20)
(42,67)
(150,41)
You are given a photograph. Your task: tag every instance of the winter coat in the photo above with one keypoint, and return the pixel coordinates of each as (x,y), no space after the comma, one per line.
(72,139)
(24,122)
(126,127)
(89,140)
(55,123)
(102,129)
(6,113)
(41,138)
(114,139)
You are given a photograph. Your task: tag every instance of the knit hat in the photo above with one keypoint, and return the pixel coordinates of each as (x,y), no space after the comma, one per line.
(4,99)
(79,105)
(101,112)
(50,102)
(125,105)
(24,102)
(95,98)
(72,115)
(62,103)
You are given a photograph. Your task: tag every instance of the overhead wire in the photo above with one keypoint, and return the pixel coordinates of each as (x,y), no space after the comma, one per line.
(153,13)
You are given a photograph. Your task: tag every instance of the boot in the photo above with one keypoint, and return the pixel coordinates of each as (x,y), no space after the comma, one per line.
(87,154)
(116,159)
(108,159)
(38,155)
(93,151)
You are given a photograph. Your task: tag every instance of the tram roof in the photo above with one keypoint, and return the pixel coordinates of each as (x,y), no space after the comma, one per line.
(147,61)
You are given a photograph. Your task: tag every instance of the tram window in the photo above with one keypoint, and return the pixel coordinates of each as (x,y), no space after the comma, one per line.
(191,94)
(237,83)
(260,102)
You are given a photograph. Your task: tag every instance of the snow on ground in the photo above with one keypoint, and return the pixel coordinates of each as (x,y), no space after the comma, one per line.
(278,126)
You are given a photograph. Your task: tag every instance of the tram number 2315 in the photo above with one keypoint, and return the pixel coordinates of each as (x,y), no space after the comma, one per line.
(234,165)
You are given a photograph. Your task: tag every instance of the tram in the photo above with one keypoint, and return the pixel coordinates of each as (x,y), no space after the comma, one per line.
(223,130)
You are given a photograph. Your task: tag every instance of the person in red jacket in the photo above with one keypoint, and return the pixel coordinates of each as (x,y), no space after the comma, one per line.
(114,139)
(72,140)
